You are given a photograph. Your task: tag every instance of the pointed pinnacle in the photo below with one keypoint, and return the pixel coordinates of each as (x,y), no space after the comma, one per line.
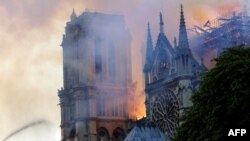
(73,15)
(161,20)
(161,24)
(148,26)
(149,33)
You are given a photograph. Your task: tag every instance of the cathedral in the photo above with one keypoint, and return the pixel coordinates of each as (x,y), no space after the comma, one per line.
(97,96)
(172,75)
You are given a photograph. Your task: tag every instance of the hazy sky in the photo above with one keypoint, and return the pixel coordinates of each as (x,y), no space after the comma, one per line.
(31,58)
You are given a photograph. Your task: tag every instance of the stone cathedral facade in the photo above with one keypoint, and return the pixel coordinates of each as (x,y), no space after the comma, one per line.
(97,95)
(171,76)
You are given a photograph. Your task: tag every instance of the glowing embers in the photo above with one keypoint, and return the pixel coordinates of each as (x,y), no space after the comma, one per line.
(165,111)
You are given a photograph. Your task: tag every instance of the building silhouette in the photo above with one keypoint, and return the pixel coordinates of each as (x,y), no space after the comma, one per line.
(172,75)
(97,99)
(97,96)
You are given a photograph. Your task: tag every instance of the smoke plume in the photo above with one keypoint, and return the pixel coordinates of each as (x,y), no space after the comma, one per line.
(31,57)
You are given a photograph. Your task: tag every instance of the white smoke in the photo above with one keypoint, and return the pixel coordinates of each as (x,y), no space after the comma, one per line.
(30,55)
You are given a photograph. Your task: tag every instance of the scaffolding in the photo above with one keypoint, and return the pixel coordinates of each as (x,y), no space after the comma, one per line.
(224,32)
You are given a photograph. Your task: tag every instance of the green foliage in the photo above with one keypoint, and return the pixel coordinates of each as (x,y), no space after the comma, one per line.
(222,101)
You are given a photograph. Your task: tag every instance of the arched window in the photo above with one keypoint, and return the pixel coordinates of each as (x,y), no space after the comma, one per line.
(164,61)
(98,56)
(118,134)
(187,67)
(100,105)
(111,60)
(102,134)
(183,62)
(164,65)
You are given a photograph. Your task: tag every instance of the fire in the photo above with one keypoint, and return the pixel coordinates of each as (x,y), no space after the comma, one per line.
(196,15)
(201,14)
(140,110)
(137,107)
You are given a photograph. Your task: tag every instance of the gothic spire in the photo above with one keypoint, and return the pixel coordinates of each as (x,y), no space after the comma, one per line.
(73,15)
(183,39)
(149,51)
(149,38)
(161,24)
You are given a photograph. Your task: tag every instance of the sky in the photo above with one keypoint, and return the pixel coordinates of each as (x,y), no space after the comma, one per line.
(31,57)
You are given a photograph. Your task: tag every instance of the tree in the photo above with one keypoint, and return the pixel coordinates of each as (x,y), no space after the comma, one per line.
(222,101)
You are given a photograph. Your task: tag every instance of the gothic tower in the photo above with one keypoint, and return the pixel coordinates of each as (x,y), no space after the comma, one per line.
(183,51)
(171,77)
(184,65)
(97,93)
(149,57)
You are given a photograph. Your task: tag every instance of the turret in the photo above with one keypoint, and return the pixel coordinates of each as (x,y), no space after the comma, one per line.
(161,24)
(149,56)
(184,56)
(73,15)
(183,39)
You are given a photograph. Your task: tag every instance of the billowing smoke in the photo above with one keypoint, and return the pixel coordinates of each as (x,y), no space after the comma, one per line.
(31,59)
(201,42)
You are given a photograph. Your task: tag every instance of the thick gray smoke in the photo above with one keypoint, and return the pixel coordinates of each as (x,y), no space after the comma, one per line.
(35,123)
(31,33)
